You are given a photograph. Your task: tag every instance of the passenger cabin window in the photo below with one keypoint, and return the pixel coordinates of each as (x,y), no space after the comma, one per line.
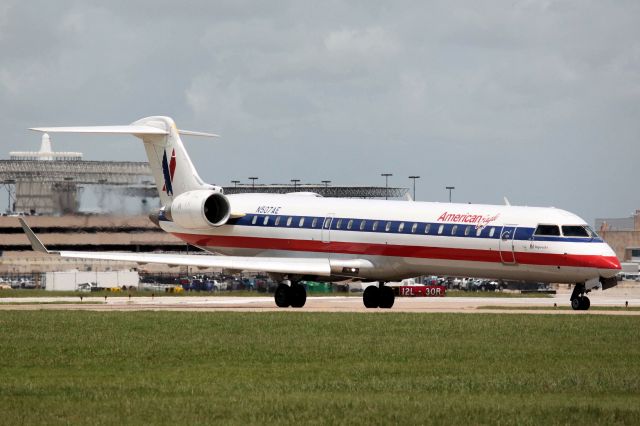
(440,229)
(548,230)
(401,227)
(289,220)
(467,230)
(254,220)
(266,220)
(277,220)
(426,229)
(350,224)
(375,225)
(327,222)
(339,224)
(314,222)
(363,223)
(492,232)
(454,229)
(387,227)
(575,231)
(413,228)
(301,223)
(478,232)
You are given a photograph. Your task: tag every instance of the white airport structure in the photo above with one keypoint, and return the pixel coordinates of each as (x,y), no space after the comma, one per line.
(85,280)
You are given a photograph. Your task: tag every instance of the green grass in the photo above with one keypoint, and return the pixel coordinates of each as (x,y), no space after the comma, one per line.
(319,368)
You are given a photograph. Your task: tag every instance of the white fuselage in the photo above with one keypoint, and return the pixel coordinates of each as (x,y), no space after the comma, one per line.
(404,239)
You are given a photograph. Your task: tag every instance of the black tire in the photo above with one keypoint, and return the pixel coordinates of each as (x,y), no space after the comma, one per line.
(297,295)
(283,296)
(371,297)
(585,303)
(387,297)
(576,303)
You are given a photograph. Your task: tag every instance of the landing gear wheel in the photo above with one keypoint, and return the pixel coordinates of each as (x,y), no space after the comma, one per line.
(297,295)
(371,297)
(585,303)
(387,297)
(575,303)
(581,303)
(283,296)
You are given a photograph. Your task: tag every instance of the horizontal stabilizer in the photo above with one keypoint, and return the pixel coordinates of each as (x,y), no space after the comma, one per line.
(192,133)
(126,130)
(119,130)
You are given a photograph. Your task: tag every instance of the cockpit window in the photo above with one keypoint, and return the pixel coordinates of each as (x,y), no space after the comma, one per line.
(548,230)
(575,231)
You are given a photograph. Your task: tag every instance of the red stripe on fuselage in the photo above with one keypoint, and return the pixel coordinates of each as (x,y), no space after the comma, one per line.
(420,252)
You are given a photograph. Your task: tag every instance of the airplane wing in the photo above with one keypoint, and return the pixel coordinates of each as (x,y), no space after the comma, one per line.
(239,263)
(282,265)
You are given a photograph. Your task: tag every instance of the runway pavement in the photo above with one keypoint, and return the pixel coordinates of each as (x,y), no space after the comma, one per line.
(352,303)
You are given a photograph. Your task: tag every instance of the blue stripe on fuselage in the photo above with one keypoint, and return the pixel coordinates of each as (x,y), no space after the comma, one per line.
(421,228)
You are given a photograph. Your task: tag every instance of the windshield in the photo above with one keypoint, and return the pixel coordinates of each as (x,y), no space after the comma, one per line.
(575,231)
(549,230)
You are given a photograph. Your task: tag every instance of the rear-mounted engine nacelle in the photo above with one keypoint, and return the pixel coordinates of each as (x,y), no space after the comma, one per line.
(199,209)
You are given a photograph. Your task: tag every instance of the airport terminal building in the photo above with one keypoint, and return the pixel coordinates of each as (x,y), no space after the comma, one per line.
(623,235)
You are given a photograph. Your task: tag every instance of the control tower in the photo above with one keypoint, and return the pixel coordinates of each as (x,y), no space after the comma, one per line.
(49,183)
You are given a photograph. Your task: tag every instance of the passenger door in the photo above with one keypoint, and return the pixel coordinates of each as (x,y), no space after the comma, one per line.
(506,246)
(326,228)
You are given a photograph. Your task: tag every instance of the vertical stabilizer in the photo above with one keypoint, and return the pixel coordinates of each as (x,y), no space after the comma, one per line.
(172,169)
(170,164)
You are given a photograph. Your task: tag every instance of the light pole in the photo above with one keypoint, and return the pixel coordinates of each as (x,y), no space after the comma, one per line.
(326,186)
(295,183)
(386,184)
(450,188)
(414,185)
(235,183)
(253,182)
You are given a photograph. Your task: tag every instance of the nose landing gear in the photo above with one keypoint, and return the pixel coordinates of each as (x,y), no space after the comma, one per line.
(580,302)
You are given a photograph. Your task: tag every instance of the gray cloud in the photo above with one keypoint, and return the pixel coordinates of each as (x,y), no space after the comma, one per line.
(535,100)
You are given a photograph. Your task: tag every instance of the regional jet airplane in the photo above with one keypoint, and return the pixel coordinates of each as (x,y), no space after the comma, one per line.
(303,236)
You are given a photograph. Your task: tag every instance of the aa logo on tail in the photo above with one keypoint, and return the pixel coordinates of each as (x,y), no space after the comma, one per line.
(168,170)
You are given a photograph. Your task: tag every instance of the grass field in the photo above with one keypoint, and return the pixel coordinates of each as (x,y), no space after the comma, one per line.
(318,368)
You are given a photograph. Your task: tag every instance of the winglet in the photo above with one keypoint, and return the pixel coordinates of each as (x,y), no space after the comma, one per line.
(36,244)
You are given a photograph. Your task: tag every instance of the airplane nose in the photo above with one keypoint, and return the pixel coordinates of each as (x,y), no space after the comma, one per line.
(608,262)
(608,265)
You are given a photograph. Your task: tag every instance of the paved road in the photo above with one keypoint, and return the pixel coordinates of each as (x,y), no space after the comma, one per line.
(614,297)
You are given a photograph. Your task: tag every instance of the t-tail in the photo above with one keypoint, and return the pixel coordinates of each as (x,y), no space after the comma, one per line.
(180,188)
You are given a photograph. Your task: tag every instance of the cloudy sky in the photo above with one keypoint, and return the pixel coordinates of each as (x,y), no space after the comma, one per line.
(538,101)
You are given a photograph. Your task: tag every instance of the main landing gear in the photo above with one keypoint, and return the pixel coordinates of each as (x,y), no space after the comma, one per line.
(378,297)
(580,302)
(294,295)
